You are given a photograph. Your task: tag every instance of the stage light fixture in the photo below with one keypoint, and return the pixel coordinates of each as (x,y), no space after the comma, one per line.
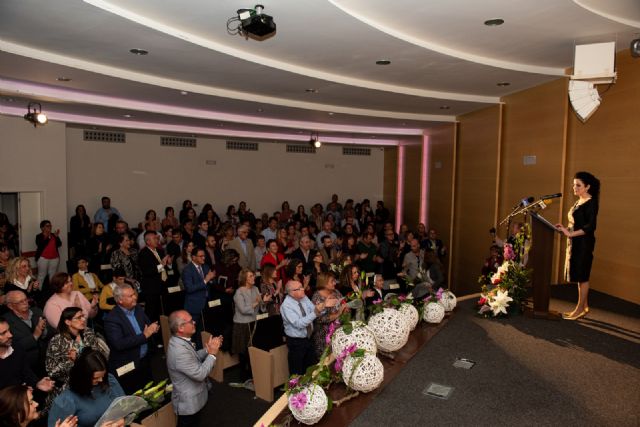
(314,140)
(252,23)
(35,115)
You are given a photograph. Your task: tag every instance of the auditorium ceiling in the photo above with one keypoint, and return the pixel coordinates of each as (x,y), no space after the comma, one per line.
(317,74)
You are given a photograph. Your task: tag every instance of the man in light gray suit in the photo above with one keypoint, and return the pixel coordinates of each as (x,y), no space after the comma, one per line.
(188,368)
(243,245)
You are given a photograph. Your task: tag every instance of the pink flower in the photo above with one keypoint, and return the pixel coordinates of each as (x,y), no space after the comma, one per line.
(378,301)
(482,301)
(293,382)
(427,299)
(332,329)
(402,298)
(439,293)
(508,252)
(351,348)
(299,400)
(338,365)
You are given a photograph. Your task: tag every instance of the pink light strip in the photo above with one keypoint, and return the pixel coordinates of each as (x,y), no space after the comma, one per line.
(424,178)
(69,95)
(400,188)
(132,124)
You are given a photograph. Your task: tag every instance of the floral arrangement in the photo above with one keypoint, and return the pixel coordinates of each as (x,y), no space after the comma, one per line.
(154,395)
(505,286)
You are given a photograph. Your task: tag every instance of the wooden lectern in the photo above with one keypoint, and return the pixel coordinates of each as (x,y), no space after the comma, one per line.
(540,260)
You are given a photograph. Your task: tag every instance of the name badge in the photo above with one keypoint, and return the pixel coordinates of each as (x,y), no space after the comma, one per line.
(125,369)
(262,316)
(170,273)
(394,286)
(215,303)
(105,267)
(160,268)
(173,289)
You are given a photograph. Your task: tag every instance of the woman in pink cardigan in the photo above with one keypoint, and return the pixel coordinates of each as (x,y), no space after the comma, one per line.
(64,296)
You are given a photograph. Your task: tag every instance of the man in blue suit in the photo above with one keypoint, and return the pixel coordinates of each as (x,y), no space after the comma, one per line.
(128,329)
(196,277)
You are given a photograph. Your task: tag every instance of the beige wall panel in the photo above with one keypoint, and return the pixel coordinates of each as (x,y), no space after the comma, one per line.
(608,145)
(412,184)
(476,165)
(390,180)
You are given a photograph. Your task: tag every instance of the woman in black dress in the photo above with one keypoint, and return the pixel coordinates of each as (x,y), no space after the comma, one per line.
(581,238)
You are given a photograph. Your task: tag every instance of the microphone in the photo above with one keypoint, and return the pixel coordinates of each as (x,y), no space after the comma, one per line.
(524,202)
(551,196)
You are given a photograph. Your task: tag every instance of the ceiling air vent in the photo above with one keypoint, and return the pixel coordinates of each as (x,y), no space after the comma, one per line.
(356,151)
(104,136)
(243,146)
(177,141)
(299,148)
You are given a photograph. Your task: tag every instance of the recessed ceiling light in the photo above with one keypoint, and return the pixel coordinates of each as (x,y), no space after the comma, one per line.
(444,107)
(127,116)
(383,62)
(63,79)
(311,90)
(331,113)
(137,51)
(494,22)
(9,99)
(502,84)
(260,110)
(184,92)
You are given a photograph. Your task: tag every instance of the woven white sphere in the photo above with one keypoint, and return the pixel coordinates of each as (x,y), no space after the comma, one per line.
(411,314)
(448,300)
(314,409)
(361,336)
(368,374)
(433,312)
(390,329)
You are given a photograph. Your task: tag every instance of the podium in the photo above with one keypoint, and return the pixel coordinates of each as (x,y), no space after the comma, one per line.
(541,260)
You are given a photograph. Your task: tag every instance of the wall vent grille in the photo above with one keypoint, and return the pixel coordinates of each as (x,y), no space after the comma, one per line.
(178,141)
(298,148)
(242,146)
(356,151)
(104,136)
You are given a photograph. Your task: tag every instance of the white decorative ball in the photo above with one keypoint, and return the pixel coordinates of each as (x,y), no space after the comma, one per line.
(363,373)
(361,336)
(411,315)
(448,300)
(315,407)
(390,329)
(433,312)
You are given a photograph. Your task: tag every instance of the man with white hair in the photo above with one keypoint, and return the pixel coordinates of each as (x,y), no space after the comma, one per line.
(154,273)
(298,314)
(244,246)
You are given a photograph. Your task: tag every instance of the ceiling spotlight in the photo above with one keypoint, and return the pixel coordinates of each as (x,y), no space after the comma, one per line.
(63,79)
(314,140)
(311,90)
(383,62)
(252,23)
(184,93)
(140,52)
(503,84)
(35,115)
(444,107)
(494,22)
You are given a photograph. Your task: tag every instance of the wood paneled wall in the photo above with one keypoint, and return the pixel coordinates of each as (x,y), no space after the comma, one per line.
(412,184)
(390,183)
(477,156)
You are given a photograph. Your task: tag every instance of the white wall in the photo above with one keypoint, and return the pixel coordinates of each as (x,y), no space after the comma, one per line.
(141,175)
(34,159)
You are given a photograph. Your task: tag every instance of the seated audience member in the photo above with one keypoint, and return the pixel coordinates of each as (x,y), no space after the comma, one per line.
(435,272)
(85,282)
(196,278)
(91,391)
(494,261)
(73,336)
(269,285)
(14,366)
(19,277)
(350,280)
(248,302)
(413,261)
(126,257)
(432,242)
(64,296)
(260,249)
(350,246)
(19,409)
(29,329)
(377,292)
(127,330)
(298,314)
(388,253)
(107,300)
(325,291)
(366,251)
(329,253)
(47,256)
(170,218)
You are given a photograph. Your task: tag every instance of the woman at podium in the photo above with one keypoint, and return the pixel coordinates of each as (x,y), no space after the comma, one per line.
(581,239)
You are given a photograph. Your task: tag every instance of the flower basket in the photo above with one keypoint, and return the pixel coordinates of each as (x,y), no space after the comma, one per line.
(448,300)
(308,405)
(360,335)
(411,315)
(390,329)
(363,373)
(433,312)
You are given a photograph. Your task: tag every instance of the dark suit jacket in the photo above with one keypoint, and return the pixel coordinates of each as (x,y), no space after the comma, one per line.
(307,266)
(23,336)
(124,342)
(150,278)
(199,240)
(195,290)
(380,294)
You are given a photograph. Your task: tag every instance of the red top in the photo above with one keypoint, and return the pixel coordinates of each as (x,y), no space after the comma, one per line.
(268,258)
(51,250)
